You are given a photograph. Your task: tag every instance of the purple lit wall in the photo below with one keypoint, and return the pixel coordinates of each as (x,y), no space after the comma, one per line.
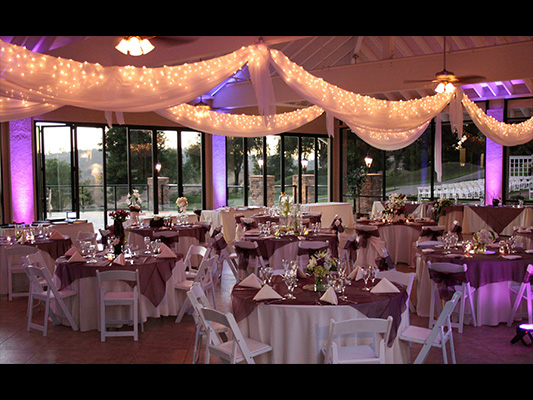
(21,170)
(219,171)
(494,163)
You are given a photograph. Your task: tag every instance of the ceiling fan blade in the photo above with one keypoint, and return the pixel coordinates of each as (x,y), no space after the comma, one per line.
(472,79)
(418,81)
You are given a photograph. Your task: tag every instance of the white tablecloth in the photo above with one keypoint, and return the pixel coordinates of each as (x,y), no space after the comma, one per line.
(329,210)
(297,333)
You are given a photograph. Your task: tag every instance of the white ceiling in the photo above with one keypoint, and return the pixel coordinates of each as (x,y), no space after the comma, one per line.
(371,65)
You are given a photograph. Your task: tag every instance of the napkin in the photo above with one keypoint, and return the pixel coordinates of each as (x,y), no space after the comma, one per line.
(267,293)
(76,257)
(428,251)
(120,260)
(251,281)
(356,274)
(166,252)
(71,251)
(385,286)
(511,257)
(57,236)
(330,296)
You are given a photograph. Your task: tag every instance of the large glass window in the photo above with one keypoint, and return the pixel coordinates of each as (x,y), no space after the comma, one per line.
(294,164)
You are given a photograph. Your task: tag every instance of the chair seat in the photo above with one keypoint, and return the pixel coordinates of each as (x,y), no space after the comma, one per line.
(256,348)
(63,293)
(418,334)
(349,354)
(184,285)
(111,296)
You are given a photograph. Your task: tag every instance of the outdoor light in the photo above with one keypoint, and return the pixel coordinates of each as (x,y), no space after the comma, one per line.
(305,163)
(368,161)
(158,167)
(522,331)
(260,162)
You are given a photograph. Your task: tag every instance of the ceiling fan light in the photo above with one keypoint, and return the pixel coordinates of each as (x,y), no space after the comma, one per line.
(123,46)
(440,88)
(146,46)
(449,87)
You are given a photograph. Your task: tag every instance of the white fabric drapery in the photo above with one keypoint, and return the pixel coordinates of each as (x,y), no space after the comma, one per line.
(33,84)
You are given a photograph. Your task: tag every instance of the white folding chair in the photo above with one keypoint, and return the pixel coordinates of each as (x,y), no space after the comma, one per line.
(403,278)
(204,277)
(436,337)
(523,292)
(42,288)
(37,260)
(370,245)
(464,287)
(373,353)
(14,255)
(194,253)
(224,254)
(234,350)
(111,297)
(199,300)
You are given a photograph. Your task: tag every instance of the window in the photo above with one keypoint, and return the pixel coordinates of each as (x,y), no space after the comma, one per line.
(74,175)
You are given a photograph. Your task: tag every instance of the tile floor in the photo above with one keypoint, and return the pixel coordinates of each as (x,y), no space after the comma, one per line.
(165,342)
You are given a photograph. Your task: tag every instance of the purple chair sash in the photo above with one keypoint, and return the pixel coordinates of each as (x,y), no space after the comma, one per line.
(351,247)
(430,232)
(365,235)
(244,255)
(218,244)
(456,228)
(446,282)
(336,225)
(384,263)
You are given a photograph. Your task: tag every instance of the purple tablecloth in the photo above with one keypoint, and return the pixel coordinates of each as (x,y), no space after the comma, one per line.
(196,231)
(55,247)
(153,273)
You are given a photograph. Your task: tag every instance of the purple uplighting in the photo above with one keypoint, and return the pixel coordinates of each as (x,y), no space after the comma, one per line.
(494,164)
(219,171)
(20,139)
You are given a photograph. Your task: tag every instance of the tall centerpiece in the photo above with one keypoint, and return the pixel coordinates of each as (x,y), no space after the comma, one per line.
(182,203)
(320,265)
(481,239)
(119,217)
(286,207)
(134,204)
(438,208)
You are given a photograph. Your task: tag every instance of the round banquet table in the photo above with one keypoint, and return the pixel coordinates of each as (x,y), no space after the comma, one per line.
(157,278)
(297,329)
(274,249)
(50,249)
(489,274)
(399,238)
(185,235)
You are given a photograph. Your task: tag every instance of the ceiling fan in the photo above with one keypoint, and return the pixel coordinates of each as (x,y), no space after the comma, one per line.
(445,79)
(141,45)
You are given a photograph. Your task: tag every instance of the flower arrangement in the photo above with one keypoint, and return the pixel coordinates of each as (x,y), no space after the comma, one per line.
(182,203)
(438,207)
(119,215)
(482,238)
(134,201)
(395,205)
(320,264)
(285,204)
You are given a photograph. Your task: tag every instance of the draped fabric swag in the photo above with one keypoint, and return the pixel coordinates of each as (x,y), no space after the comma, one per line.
(32,84)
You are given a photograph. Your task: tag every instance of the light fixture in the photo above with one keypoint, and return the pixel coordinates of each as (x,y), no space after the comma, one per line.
(305,163)
(445,87)
(202,109)
(158,167)
(523,331)
(368,161)
(135,46)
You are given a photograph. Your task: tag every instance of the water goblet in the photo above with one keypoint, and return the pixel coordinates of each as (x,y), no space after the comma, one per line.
(290,280)
(366,277)
(147,244)
(340,286)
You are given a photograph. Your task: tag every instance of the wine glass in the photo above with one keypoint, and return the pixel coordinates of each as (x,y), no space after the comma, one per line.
(92,253)
(372,273)
(147,244)
(340,284)
(366,276)
(343,269)
(290,280)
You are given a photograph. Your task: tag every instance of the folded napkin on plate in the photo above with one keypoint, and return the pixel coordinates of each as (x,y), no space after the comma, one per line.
(57,236)
(428,250)
(76,257)
(166,252)
(251,281)
(511,257)
(385,286)
(120,260)
(330,296)
(356,274)
(267,293)
(71,251)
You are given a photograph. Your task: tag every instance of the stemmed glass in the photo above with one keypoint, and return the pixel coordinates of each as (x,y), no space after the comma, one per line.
(92,253)
(366,276)
(266,273)
(289,277)
(147,246)
(344,271)
(340,286)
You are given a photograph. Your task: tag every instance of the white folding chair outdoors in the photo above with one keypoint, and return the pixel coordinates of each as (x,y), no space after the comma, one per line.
(199,300)
(42,288)
(234,350)
(373,353)
(403,278)
(194,254)
(523,292)
(204,277)
(14,255)
(464,287)
(118,298)
(436,337)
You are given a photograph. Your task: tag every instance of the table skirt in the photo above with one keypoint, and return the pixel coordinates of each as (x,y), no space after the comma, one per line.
(297,333)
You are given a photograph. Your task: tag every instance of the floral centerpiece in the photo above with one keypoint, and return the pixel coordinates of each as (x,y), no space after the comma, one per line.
(395,206)
(438,207)
(286,204)
(482,238)
(119,216)
(182,203)
(320,265)
(134,201)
